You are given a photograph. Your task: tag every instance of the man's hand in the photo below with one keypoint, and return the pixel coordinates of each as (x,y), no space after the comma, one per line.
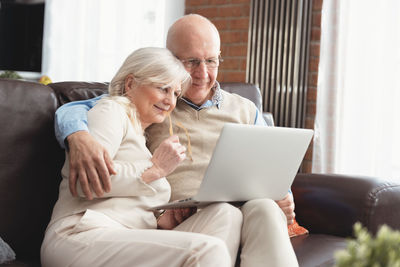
(89,163)
(287,206)
(173,217)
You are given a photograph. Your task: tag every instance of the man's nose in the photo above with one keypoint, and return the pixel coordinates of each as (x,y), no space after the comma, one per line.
(200,71)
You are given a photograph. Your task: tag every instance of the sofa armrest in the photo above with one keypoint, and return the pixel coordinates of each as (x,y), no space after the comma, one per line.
(331,204)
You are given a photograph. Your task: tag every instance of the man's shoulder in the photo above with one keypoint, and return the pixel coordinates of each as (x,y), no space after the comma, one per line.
(108,106)
(236,99)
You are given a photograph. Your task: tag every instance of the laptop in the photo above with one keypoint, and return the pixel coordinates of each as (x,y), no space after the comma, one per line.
(250,162)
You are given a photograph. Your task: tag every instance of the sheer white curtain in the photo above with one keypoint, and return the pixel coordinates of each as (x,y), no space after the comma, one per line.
(88,40)
(358,104)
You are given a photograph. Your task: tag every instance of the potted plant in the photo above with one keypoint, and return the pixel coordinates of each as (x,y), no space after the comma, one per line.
(365,250)
(9,74)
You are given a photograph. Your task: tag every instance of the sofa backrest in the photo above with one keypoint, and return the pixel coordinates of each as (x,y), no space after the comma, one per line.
(30,163)
(72,91)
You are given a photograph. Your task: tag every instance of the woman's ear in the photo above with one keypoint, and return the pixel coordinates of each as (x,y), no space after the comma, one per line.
(129,83)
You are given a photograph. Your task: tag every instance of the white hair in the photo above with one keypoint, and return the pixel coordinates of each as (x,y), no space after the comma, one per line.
(149,66)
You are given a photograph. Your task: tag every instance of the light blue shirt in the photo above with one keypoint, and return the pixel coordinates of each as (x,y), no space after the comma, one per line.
(72,117)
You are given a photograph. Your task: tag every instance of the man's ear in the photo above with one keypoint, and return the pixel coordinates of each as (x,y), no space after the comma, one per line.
(129,83)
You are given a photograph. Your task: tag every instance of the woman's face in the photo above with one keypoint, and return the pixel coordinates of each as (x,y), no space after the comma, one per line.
(152,102)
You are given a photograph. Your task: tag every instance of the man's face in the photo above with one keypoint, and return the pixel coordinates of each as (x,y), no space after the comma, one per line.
(204,48)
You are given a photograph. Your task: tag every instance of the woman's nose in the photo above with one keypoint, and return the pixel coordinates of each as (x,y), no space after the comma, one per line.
(170,99)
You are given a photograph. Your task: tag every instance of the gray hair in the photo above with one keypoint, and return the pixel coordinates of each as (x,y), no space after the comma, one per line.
(150,65)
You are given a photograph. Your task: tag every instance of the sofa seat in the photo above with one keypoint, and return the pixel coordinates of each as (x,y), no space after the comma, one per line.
(23,263)
(317,249)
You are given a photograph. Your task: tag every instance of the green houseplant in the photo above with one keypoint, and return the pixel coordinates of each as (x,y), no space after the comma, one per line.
(9,74)
(365,250)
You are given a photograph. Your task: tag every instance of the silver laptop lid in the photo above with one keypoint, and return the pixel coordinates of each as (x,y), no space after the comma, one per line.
(251,162)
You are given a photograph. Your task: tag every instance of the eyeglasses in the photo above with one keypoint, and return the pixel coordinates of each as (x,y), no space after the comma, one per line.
(211,63)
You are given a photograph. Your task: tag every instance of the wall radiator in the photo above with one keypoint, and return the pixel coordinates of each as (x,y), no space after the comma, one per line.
(277,60)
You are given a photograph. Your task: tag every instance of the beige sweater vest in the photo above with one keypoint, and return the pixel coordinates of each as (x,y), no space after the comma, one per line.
(204,127)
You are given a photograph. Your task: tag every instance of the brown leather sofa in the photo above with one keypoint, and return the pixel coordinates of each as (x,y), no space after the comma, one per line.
(31,159)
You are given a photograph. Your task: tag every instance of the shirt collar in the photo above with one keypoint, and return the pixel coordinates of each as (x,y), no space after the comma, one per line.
(216,99)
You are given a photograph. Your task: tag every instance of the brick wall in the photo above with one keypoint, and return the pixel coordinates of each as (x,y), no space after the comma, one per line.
(231,17)
(313,76)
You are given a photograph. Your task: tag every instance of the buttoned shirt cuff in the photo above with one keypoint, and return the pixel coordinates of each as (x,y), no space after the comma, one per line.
(68,128)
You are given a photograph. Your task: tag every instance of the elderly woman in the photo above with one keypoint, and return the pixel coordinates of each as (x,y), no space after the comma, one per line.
(117,228)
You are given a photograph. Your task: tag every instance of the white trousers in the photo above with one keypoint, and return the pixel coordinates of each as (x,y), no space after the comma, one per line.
(265,240)
(210,237)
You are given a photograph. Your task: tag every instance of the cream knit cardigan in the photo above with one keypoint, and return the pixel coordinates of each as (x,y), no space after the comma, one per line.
(130,197)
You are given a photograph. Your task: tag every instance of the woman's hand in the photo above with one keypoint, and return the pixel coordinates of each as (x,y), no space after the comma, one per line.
(173,217)
(165,159)
(168,155)
(287,206)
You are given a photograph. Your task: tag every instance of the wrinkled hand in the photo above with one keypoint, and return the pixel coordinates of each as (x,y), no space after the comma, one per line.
(173,217)
(89,163)
(168,155)
(287,206)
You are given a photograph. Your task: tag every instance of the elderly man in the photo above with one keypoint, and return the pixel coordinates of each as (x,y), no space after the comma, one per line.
(203,110)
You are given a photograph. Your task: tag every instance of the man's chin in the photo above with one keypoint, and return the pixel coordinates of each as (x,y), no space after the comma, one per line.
(197,90)
(200,86)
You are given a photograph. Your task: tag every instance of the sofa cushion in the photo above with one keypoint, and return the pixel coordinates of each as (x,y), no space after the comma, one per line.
(6,253)
(25,263)
(74,91)
(317,250)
